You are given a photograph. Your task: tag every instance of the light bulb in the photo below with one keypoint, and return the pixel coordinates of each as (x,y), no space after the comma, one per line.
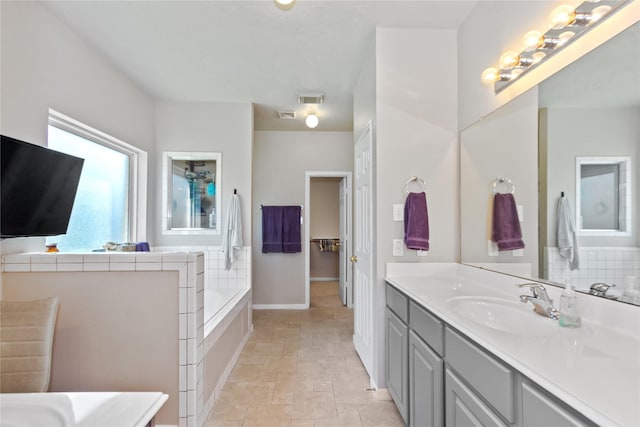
(508,60)
(489,76)
(532,40)
(312,121)
(599,12)
(562,16)
(284,2)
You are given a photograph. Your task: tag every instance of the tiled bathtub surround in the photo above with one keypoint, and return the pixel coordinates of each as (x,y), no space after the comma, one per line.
(597,264)
(191,283)
(215,276)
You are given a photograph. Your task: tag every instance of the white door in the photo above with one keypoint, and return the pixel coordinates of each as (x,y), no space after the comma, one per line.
(363,276)
(346,293)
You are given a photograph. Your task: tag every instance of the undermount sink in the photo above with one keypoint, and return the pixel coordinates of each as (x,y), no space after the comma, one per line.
(503,315)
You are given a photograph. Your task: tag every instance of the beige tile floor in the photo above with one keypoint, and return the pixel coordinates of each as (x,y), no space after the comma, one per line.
(299,368)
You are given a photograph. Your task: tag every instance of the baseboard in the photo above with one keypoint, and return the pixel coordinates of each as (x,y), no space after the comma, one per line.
(324,279)
(279,307)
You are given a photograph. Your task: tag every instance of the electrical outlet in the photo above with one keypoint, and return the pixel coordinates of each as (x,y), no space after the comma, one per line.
(492,248)
(398,212)
(422,253)
(398,247)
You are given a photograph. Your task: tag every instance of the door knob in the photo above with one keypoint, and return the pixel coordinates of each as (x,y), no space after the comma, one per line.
(354,258)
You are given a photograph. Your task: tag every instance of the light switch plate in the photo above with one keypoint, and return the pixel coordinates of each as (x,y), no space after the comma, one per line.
(520,210)
(398,212)
(492,248)
(398,247)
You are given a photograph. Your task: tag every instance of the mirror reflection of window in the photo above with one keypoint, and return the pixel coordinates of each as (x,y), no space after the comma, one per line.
(599,198)
(193,194)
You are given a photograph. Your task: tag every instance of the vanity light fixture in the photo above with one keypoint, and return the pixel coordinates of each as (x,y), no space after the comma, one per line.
(285,4)
(312,121)
(566,23)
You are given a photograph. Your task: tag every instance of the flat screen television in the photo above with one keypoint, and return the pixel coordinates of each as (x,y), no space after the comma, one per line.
(38,187)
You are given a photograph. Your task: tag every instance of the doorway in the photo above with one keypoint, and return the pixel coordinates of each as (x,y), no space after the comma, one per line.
(328,226)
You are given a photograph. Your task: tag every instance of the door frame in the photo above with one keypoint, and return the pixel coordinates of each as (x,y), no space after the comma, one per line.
(307,220)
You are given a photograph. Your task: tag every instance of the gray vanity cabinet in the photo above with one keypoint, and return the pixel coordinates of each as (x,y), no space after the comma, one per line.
(425,384)
(397,345)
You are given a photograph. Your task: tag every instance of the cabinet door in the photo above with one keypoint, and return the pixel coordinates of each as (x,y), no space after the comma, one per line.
(426,400)
(540,410)
(397,362)
(464,408)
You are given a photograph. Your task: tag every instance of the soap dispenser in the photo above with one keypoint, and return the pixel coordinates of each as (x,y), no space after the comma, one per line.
(569,314)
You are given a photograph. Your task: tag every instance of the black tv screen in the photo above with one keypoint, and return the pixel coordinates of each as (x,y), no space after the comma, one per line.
(38,187)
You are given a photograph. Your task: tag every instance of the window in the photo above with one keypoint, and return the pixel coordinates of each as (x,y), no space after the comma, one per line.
(105,205)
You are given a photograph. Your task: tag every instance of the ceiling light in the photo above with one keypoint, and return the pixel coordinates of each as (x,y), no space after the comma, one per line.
(566,24)
(312,121)
(285,4)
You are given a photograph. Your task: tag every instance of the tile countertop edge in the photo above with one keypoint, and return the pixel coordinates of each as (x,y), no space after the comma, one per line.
(483,338)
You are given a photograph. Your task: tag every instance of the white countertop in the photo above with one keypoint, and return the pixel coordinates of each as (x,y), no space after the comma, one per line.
(595,368)
(95,409)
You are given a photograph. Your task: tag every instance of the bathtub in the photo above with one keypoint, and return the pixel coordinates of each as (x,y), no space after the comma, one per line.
(217,303)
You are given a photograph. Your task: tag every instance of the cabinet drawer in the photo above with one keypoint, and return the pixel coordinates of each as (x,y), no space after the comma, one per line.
(464,408)
(539,409)
(398,303)
(429,328)
(493,380)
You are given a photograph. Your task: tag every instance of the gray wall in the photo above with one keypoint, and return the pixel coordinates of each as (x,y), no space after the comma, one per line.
(45,65)
(280,162)
(225,128)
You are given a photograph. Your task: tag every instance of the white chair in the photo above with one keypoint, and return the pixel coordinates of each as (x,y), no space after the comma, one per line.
(26,340)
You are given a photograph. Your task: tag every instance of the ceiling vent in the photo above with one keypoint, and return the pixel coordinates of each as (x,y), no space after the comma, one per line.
(311,98)
(287,114)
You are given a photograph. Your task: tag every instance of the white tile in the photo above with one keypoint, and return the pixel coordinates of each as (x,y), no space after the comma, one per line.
(100,257)
(68,258)
(191,377)
(200,282)
(200,264)
(122,266)
(182,300)
(191,403)
(44,258)
(192,351)
(71,267)
(192,300)
(122,257)
(44,267)
(148,266)
(182,404)
(95,266)
(182,422)
(182,326)
(191,421)
(182,378)
(149,257)
(17,268)
(191,325)
(18,259)
(177,257)
(182,352)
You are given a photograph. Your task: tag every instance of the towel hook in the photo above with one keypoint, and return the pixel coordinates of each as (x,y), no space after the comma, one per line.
(503,180)
(417,181)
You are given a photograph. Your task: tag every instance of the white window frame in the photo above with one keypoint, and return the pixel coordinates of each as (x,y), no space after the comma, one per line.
(137,220)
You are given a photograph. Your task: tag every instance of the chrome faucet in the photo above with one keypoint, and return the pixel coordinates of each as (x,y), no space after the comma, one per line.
(542,303)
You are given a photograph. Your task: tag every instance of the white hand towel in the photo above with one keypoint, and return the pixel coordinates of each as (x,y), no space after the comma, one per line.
(232,232)
(566,234)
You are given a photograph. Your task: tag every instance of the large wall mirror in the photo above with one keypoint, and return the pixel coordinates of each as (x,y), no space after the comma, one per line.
(191,193)
(575,137)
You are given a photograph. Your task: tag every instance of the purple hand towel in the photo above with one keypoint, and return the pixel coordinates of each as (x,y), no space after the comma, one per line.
(272,228)
(416,222)
(291,235)
(506,225)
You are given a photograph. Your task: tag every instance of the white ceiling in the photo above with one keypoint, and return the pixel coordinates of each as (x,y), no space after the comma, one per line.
(250,51)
